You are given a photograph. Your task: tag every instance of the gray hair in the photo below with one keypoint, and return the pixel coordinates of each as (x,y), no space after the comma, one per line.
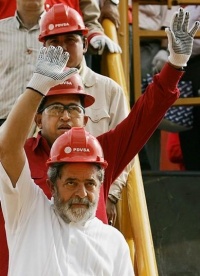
(54,172)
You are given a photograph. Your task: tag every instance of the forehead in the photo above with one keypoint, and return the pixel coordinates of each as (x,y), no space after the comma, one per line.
(64,99)
(64,36)
(80,171)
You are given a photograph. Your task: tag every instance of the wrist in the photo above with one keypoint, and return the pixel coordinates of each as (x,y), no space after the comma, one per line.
(35,91)
(179,68)
(40,83)
(178,60)
(113,199)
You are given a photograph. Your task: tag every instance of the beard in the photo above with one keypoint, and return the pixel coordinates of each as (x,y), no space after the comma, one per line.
(78,214)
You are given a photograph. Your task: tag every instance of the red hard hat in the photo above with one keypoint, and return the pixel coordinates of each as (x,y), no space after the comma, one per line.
(61,19)
(73,85)
(77,146)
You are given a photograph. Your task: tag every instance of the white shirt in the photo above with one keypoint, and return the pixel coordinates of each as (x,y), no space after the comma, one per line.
(18,54)
(42,244)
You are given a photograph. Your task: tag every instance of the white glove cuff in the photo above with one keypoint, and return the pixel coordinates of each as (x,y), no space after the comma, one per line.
(179,60)
(40,83)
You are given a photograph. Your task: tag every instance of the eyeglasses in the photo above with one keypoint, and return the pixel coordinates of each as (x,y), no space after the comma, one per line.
(57,110)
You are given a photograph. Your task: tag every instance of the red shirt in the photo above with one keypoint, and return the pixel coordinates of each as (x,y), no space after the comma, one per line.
(71,3)
(120,145)
(7,9)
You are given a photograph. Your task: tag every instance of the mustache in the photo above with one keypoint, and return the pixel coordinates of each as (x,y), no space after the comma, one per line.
(78,200)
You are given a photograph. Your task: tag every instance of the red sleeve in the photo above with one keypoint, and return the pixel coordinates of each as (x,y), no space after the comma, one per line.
(121,144)
(7,8)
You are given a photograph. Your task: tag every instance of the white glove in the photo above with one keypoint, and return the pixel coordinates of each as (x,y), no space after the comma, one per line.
(99,42)
(180,40)
(49,70)
(159,61)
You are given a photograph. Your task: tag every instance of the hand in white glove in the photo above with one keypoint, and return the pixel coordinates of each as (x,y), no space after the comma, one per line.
(159,61)
(180,40)
(99,42)
(49,70)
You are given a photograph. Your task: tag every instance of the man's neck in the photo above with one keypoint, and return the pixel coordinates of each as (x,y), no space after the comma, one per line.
(30,18)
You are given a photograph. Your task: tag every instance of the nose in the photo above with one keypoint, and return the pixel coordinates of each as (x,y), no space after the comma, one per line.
(63,45)
(65,115)
(81,191)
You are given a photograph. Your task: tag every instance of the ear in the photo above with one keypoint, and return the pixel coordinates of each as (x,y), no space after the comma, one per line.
(51,186)
(85,45)
(38,120)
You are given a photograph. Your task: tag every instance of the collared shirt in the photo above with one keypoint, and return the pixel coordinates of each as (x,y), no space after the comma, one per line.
(18,54)
(110,106)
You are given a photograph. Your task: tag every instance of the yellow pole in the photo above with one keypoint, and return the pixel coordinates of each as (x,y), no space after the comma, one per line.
(134,220)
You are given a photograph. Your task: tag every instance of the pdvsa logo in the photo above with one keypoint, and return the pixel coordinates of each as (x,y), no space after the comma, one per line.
(59,25)
(81,150)
(69,150)
(67,82)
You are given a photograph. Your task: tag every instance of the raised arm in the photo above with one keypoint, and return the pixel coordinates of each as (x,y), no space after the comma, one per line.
(48,73)
(127,139)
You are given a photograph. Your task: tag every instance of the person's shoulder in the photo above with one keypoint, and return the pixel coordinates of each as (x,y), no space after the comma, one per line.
(8,23)
(101,77)
(109,230)
(105,78)
(7,19)
(107,81)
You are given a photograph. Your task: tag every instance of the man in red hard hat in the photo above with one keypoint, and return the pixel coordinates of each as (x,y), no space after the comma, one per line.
(61,109)
(63,26)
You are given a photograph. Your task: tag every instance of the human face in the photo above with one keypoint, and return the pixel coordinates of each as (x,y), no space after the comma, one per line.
(53,126)
(76,192)
(71,43)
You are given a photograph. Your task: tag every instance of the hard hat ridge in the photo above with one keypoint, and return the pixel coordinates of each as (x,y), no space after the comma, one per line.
(73,85)
(77,146)
(60,19)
